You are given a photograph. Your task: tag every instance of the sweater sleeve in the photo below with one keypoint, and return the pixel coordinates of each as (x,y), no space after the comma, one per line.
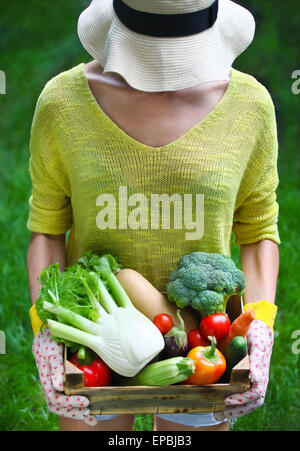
(256,213)
(49,204)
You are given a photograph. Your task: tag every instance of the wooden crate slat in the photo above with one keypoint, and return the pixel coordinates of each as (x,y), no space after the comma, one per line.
(74,377)
(179,392)
(143,409)
(240,373)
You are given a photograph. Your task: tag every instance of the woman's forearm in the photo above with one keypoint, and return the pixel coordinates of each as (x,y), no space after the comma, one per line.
(260,263)
(43,250)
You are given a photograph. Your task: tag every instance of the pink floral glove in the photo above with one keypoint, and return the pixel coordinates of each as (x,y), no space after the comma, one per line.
(48,355)
(260,344)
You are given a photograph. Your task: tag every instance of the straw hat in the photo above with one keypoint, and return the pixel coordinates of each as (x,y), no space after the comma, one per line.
(166,45)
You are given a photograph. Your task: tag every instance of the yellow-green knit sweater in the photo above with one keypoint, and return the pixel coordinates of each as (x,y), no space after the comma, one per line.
(80,158)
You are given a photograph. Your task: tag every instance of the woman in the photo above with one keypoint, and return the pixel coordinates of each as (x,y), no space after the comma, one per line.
(159,111)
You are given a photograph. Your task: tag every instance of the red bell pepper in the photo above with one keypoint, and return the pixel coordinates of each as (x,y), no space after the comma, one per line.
(96,374)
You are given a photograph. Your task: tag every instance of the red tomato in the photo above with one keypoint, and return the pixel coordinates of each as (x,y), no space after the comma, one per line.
(163,322)
(215,325)
(195,339)
(96,374)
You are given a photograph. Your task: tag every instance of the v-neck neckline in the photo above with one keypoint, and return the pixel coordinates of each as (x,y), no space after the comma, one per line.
(198,126)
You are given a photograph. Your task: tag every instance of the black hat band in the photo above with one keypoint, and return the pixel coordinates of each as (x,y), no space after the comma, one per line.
(166,25)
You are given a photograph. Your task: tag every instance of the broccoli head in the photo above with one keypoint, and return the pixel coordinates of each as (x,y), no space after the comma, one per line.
(205,282)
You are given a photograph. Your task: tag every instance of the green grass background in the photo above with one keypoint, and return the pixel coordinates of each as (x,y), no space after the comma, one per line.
(38,40)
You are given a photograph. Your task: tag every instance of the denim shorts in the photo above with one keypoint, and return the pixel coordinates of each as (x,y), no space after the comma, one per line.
(188,419)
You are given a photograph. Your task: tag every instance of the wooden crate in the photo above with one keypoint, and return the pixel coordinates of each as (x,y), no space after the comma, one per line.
(161,399)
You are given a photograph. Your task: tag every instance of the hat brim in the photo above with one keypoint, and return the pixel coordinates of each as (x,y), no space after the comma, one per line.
(155,64)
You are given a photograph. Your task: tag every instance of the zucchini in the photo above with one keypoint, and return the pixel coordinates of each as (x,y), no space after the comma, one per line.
(165,372)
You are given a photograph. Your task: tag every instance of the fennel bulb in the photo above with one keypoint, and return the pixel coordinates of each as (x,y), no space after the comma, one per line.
(98,314)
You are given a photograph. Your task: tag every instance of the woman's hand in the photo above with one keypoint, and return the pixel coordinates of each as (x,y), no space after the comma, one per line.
(260,344)
(49,360)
